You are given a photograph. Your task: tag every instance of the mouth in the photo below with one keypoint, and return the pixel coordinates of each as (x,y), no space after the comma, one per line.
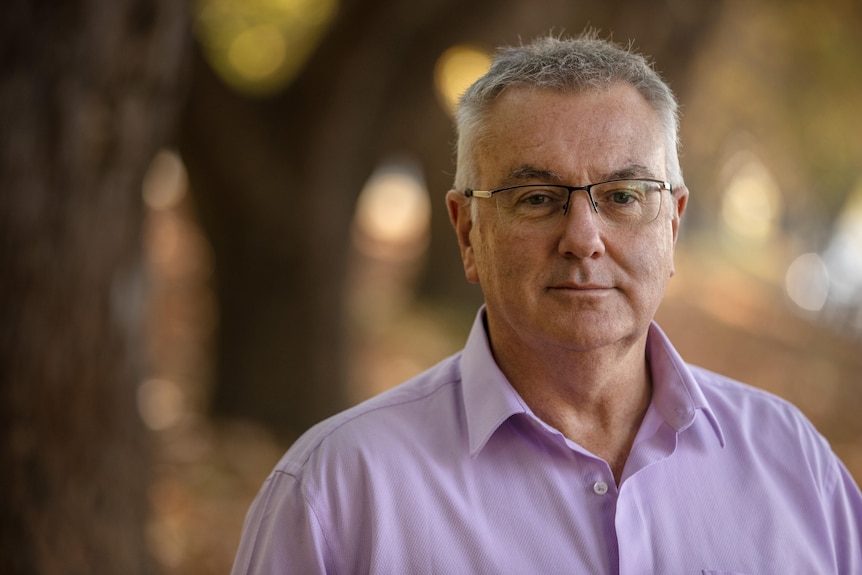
(580,288)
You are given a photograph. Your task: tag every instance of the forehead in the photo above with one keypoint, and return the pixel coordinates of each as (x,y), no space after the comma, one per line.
(579,136)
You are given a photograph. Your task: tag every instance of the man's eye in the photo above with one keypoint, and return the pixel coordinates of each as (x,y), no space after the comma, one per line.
(622,197)
(537,199)
(546,197)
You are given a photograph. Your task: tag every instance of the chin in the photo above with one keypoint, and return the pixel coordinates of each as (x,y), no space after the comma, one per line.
(591,333)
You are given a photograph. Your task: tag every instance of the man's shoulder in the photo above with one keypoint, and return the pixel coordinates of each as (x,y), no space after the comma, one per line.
(421,406)
(758,424)
(756,413)
(718,387)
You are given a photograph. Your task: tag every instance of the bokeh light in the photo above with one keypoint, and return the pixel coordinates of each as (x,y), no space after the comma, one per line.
(257,53)
(161,403)
(807,282)
(843,257)
(259,46)
(393,212)
(751,203)
(165,181)
(456,69)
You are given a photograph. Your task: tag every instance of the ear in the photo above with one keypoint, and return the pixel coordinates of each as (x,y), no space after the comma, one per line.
(679,199)
(462,220)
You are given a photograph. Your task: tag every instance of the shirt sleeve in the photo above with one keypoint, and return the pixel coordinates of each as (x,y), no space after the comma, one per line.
(846,508)
(281,534)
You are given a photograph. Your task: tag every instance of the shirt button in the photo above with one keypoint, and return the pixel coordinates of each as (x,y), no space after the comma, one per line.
(600,487)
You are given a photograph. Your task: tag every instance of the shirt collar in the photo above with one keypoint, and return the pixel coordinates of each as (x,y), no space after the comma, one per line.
(489,398)
(677,396)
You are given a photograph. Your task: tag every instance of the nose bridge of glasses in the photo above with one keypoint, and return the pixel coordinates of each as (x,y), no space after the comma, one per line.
(587,194)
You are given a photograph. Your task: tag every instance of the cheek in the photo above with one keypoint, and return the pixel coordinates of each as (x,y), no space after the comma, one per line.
(651,262)
(501,259)
(660,263)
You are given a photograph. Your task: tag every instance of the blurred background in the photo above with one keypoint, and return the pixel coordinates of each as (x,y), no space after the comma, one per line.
(223,220)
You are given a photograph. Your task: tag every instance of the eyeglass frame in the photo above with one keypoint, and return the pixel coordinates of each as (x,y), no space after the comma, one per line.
(663,185)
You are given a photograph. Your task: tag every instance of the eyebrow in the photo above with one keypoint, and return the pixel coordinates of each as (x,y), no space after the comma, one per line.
(528,173)
(630,171)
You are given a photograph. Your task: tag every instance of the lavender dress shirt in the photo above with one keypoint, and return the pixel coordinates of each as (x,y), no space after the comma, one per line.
(452,473)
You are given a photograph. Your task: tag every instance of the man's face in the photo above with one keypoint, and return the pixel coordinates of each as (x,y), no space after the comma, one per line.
(578,284)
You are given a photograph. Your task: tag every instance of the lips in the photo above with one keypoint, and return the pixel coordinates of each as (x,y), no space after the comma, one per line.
(581,287)
(578,280)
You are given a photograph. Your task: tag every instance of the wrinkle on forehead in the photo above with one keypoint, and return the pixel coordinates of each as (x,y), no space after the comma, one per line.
(533,136)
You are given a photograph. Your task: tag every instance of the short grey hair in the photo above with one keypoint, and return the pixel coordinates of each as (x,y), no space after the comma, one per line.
(566,65)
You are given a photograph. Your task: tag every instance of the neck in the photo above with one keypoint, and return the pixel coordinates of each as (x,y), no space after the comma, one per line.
(596,398)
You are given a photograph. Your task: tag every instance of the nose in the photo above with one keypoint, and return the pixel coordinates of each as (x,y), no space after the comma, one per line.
(582,229)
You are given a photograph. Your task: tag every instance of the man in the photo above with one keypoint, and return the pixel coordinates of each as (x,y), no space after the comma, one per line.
(568,436)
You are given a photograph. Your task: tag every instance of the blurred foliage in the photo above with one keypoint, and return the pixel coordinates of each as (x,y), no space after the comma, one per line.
(782,78)
(258,46)
(770,96)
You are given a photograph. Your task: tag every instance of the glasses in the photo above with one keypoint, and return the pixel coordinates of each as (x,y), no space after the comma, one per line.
(619,203)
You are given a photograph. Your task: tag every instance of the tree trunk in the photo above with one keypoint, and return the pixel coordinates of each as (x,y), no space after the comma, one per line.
(88,93)
(275,181)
